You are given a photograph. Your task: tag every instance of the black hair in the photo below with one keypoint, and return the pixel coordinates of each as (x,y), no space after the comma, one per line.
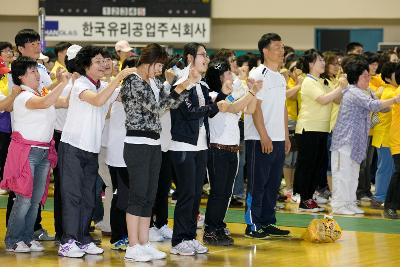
(84,57)
(354,66)
(371,57)
(289,60)
(288,51)
(387,70)
(252,60)
(26,36)
(4,45)
(242,59)
(20,66)
(265,41)
(153,53)
(351,46)
(50,55)
(106,53)
(397,74)
(61,46)
(130,62)
(310,56)
(191,49)
(215,69)
(223,54)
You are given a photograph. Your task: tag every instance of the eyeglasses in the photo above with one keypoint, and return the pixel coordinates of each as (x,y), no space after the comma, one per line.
(204,55)
(7,51)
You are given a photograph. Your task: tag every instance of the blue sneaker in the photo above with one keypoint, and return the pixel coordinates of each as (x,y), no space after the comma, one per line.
(119,245)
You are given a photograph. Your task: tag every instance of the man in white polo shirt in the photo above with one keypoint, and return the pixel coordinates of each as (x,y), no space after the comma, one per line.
(267,140)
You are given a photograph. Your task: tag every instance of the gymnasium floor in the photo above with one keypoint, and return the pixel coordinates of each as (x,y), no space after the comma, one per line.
(369,240)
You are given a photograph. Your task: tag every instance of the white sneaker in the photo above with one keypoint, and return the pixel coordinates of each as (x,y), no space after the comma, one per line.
(70,250)
(319,199)
(19,247)
(136,253)
(92,249)
(184,248)
(35,246)
(355,209)
(3,192)
(200,220)
(153,252)
(154,235)
(198,247)
(102,227)
(165,232)
(343,211)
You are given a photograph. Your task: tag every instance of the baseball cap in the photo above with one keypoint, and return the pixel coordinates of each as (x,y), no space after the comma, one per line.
(123,46)
(3,67)
(43,57)
(72,51)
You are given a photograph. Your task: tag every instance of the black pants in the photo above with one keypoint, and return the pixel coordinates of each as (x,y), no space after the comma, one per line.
(5,139)
(190,170)
(222,169)
(159,217)
(393,194)
(119,203)
(57,193)
(310,162)
(264,174)
(78,169)
(143,163)
(367,172)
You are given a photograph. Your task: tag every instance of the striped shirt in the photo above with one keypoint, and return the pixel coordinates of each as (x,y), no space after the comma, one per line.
(353,123)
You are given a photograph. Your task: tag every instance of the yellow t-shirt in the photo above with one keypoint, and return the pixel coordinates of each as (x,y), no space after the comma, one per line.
(312,115)
(292,104)
(335,107)
(380,135)
(4,85)
(394,136)
(54,70)
(375,82)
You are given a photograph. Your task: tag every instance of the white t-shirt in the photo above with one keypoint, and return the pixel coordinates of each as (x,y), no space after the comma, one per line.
(165,135)
(224,128)
(273,97)
(84,124)
(116,135)
(62,112)
(33,124)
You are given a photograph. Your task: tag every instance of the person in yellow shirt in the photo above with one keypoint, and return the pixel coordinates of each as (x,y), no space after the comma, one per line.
(392,200)
(60,50)
(294,79)
(123,50)
(380,138)
(376,83)
(312,129)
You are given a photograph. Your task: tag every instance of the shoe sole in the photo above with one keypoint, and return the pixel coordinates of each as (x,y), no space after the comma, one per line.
(260,238)
(72,256)
(174,252)
(310,210)
(134,260)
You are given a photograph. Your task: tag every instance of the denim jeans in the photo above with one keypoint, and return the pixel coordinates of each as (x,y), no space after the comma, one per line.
(24,211)
(383,173)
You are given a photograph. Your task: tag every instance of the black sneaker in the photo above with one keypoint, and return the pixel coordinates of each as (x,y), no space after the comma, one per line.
(216,239)
(259,234)
(222,235)
(274,231)
(235,203)
(390,214)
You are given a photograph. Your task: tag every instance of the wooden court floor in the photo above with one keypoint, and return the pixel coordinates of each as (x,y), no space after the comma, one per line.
(355,248)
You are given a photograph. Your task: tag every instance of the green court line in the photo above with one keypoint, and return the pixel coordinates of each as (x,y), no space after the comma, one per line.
(358,224)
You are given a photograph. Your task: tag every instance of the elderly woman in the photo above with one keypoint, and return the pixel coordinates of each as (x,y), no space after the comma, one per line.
(350,135)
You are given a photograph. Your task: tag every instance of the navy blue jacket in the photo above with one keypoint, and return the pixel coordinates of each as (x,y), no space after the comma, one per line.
(187,118)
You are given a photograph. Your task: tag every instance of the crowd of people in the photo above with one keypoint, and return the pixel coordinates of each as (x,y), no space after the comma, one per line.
(326,122)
